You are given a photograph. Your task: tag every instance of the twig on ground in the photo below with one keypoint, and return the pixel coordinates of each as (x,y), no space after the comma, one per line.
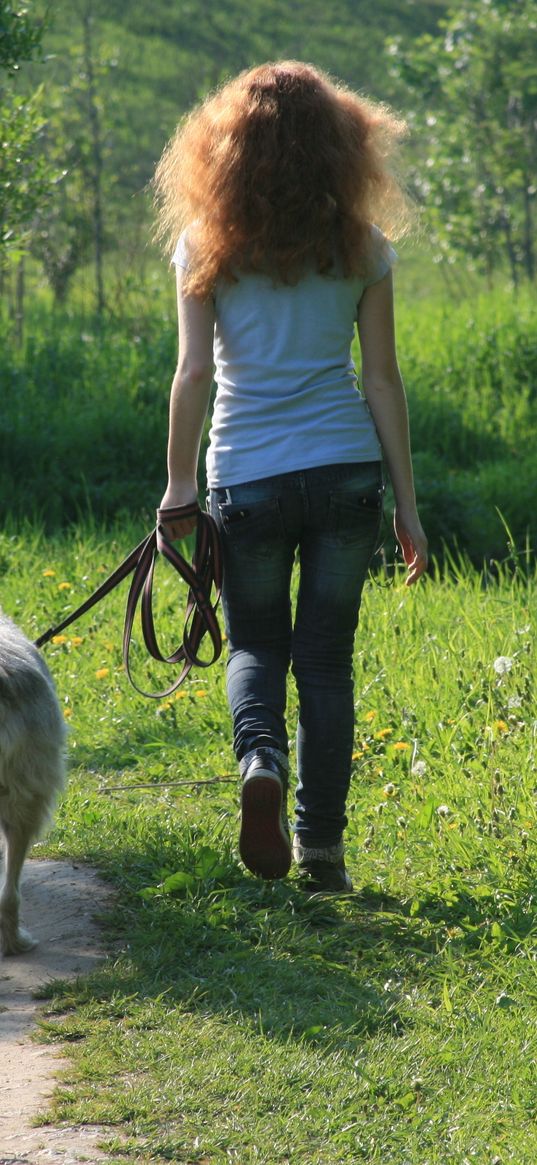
(165,784)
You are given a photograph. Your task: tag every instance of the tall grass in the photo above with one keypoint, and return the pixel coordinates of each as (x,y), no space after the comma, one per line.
(84,415)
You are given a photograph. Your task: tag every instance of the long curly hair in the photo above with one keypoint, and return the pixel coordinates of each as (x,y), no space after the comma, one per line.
(278,170)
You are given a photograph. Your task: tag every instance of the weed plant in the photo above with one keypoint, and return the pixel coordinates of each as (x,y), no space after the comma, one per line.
(241,1021)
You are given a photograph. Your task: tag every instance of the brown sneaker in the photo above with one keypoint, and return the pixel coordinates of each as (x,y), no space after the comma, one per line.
(321,869)
(264,842)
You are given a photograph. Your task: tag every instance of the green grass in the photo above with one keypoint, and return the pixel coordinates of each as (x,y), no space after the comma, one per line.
(237,1021)
(83,414)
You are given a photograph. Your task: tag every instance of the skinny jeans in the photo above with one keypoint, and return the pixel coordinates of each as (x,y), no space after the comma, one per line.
(327,519)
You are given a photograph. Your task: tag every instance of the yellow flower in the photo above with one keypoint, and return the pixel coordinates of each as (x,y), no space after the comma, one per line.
(382,732)
(49,574)
(389,790)
(370,715)
(101,673)
(202,692)
(76,640)
(64,586)
(501,726)
(67,713)
(401,745)
(59,638)
(180,695)
(357,755)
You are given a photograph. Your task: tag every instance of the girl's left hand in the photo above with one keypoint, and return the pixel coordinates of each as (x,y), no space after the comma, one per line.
(411,538)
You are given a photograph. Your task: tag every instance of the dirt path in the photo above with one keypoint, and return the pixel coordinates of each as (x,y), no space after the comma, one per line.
(58,903)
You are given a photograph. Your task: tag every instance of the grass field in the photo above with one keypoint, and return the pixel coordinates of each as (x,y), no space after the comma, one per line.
(83,412)
(237,1021)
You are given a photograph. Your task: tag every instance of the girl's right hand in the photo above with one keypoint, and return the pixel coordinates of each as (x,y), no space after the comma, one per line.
(179,495)
(411,538)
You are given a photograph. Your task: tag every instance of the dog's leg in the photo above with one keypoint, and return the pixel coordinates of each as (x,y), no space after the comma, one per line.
(14,939)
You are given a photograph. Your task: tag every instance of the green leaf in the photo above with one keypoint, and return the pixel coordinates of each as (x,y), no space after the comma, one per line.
(426,814)
(178,882)
(446,999)
(208,864)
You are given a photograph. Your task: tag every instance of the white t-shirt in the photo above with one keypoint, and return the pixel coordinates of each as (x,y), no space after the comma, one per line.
(287,395)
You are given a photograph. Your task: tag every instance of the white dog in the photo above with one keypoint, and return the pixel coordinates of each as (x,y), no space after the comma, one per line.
(32,766)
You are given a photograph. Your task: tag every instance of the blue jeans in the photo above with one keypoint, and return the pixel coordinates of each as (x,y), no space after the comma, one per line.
(331,516)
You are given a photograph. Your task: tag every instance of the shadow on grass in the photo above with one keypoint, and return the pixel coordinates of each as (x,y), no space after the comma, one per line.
(222,943)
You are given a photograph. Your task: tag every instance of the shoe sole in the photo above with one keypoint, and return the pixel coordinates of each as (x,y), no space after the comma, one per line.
(315,888)
(264,846)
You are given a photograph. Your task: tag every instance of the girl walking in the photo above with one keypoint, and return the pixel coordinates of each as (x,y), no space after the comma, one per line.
(276,188)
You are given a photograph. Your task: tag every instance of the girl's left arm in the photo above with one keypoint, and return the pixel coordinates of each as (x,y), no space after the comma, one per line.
(385,394)
(189,400)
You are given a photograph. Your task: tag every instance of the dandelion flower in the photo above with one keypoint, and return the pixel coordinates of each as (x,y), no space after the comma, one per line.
(443,811)
(64,586)
(419,768)
(389,790)
(101,673)
(501,726)
(180,695)
(49,573)
(59,639)
(357,755)
(382,732)
(77,640)
(68,712)
(202,692)
(502,665)
(401,745)
(370,715)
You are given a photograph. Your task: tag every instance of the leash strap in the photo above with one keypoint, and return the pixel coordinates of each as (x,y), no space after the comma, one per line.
(200,577)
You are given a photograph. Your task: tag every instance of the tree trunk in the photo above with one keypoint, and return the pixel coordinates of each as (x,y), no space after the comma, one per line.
(97,161)
(510,248)
(529,255)
(19,303)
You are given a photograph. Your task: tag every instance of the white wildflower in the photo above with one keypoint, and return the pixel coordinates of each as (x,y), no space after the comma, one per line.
(502,665)
(514,702)
(443,811)
(419,768)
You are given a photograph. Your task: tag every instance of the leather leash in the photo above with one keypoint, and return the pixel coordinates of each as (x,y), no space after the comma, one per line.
(200,577)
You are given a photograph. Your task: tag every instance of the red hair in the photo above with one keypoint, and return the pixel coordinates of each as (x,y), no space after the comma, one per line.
(279,169)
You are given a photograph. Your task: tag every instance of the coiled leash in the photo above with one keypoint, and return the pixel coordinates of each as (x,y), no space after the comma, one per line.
(200,577)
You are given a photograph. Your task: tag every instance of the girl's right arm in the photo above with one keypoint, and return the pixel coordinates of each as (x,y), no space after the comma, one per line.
(385,395)
(189,399)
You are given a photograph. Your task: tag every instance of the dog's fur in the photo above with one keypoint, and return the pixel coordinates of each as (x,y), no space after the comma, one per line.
(32,766)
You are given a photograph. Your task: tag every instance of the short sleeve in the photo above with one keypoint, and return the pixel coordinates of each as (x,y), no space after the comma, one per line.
(383,257)
(180,257)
